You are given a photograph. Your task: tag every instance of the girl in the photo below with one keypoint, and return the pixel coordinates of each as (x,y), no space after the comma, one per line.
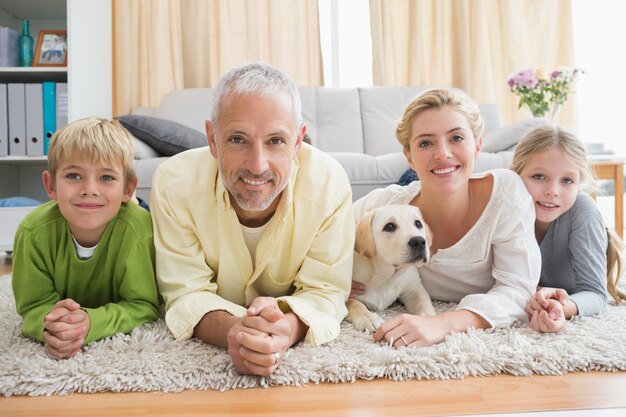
(581,257)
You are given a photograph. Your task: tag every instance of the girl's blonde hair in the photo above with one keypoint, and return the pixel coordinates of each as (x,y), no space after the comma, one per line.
(614,260)
(433,99)
(547,137)
(97,140)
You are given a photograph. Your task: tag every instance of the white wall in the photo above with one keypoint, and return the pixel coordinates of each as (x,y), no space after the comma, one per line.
(90,57)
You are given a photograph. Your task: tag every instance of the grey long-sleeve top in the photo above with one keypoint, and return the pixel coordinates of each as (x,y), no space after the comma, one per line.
(573,256)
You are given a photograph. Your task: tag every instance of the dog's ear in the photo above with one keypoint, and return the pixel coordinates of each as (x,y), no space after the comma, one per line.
(364,242)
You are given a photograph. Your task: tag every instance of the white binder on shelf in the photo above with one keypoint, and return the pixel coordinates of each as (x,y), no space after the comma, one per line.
(61,102)
(17,119)
(4,123)
(34,119)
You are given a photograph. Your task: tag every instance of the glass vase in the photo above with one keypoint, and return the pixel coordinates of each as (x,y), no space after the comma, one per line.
(555,112)
(25,45)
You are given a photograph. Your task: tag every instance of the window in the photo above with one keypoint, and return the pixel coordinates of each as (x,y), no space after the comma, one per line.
(346,42)
(599,34)
(600,92)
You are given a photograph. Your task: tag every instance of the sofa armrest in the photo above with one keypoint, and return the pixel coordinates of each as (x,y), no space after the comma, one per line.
(145,169)
(495,160)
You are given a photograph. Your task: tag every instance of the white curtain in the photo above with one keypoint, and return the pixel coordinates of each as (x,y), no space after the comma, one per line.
(164,45)
(471,44)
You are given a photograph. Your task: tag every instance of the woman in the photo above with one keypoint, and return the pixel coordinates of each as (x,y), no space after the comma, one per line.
(484,253)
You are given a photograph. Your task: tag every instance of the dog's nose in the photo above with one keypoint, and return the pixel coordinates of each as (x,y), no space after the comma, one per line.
(417,242)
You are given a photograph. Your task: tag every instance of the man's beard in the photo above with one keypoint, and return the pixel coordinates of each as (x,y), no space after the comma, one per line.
(250,202)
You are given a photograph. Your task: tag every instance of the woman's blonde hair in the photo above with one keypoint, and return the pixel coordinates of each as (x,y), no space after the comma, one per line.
(97,140)
(546,137)
(433,99)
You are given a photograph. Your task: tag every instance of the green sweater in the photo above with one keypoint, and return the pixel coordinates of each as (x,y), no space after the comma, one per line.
(116,286)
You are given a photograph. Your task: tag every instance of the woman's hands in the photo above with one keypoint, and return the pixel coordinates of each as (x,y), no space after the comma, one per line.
(406,330)
(418,331)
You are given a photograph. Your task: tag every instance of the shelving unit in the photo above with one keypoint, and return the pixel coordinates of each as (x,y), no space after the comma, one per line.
(21,175)
(88,74)
(33,74)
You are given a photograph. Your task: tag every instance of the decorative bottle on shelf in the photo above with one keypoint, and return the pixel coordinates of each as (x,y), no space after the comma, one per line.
(25,42)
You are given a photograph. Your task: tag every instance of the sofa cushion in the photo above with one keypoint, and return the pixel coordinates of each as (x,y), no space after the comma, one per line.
(320,107)
(382,109)
(188,106)
(165,136)
(506,137)
(143,150)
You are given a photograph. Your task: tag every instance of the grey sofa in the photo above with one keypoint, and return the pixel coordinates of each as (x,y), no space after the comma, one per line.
(354,125)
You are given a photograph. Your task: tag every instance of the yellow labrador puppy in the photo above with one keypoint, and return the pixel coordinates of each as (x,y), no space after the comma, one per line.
(391,242)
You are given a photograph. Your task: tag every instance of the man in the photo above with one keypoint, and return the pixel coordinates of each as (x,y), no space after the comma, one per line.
(258,220)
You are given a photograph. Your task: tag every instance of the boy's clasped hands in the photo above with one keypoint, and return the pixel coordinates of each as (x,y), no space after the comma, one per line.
(65,329)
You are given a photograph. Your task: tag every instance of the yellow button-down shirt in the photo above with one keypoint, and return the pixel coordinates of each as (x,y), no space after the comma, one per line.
(304,258)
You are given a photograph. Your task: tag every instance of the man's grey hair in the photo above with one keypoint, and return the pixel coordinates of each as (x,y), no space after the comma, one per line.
(255,78)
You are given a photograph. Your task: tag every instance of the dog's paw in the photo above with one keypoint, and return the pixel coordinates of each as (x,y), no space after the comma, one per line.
(368,322)
(427,310)
(422,309)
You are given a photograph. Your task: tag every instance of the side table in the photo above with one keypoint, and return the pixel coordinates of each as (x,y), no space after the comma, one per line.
(613,170)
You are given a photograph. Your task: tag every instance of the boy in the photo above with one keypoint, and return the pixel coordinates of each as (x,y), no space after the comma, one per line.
(83,263)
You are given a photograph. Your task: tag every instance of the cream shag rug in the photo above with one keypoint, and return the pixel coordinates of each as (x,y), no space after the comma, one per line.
(149,359)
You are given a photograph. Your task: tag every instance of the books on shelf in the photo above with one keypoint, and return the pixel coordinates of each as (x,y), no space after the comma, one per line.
(30,113)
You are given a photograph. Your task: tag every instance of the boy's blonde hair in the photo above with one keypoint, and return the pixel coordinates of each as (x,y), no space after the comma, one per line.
(546,137)
(97,140)
(433,99)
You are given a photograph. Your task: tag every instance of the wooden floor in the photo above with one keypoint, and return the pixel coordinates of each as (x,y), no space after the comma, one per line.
(479,395)
(5,264)
(474,395)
